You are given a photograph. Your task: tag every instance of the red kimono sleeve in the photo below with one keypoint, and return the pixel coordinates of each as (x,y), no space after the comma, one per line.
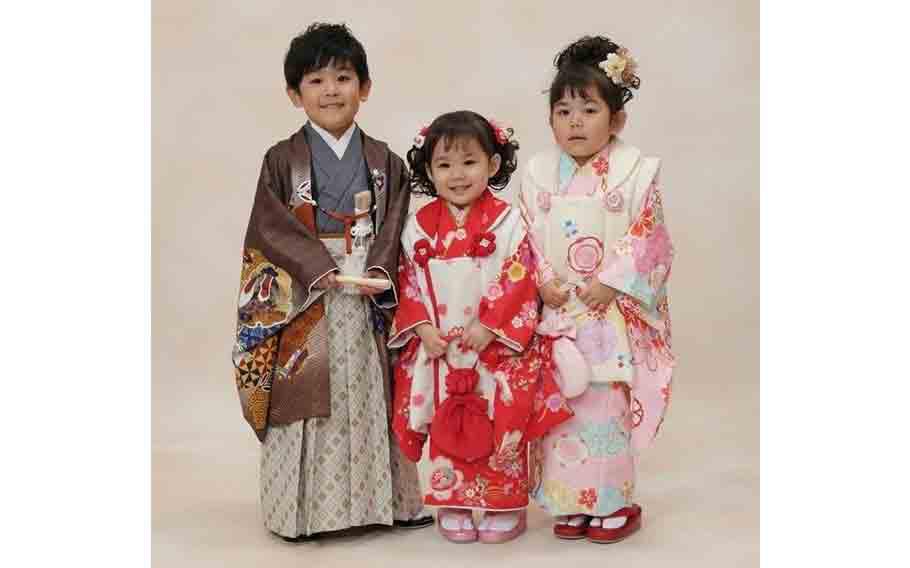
(411,310)
(410,313)
(509,306)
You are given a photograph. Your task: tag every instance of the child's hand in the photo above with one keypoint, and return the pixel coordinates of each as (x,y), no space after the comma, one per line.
(552,295)
(370,291)
(432,340)
(596,295)
(477,337)
(327,282)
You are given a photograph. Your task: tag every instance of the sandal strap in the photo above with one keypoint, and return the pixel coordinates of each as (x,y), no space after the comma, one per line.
(631,511)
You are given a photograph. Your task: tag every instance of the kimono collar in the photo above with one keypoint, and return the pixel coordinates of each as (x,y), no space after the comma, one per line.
(488,208)
(337,145)
(622,158)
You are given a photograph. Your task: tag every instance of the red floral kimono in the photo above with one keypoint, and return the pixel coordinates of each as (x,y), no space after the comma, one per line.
(478,411)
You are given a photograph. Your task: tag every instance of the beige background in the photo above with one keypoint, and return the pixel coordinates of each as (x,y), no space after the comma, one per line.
(218,103)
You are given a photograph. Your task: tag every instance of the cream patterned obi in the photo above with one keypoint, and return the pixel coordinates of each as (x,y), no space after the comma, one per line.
(578,228)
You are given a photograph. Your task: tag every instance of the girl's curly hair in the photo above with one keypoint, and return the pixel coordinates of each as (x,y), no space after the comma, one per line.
(460,125)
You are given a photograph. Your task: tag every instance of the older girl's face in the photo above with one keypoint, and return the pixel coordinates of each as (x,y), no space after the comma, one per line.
(583,124)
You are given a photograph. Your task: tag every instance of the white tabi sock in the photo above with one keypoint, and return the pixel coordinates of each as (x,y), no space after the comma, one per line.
(499,522)
(613,523)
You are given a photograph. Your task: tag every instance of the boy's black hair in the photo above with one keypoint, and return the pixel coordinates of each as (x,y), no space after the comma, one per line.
(578,69)
(320,45)
(460,125)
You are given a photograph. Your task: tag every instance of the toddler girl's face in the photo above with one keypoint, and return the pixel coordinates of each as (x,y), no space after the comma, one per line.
(460,170)
(582,124)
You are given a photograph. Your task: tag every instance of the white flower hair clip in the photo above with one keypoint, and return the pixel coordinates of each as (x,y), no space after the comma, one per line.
(620,67)
(421,136)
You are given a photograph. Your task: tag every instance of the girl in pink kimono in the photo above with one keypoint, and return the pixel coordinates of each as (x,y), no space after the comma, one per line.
(593,206)
(470,374)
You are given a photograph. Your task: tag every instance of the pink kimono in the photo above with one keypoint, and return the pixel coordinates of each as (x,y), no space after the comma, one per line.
(603,220)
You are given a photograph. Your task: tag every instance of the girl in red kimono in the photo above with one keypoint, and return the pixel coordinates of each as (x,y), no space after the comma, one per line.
(471,377)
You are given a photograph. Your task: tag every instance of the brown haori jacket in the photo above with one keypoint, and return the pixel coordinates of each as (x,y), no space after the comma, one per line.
(281,344)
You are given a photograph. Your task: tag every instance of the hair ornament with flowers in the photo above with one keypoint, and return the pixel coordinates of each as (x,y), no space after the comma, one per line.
(504,134)
(596,61)
(620,67)
(421,136)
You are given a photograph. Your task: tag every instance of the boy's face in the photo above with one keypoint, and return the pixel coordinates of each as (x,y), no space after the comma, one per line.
(331,97)
(583,124)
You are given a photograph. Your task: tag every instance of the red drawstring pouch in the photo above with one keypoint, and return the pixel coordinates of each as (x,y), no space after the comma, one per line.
(461,427)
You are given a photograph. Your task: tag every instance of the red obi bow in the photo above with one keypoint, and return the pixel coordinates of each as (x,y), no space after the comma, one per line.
(461,427)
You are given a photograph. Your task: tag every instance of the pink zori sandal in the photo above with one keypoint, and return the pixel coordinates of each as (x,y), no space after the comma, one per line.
(456,525)
(502,526)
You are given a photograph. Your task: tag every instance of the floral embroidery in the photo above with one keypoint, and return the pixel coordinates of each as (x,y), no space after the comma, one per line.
(474,494)
(570,450)
(585,255)
(507,458)
(613,201)
(604,439)
(588,498)
(600,165)
(653,251)
(516,271)
(417,400)
(665,392)
(484,245)
(444,478)
(494,292)
(569,228)
(644,224)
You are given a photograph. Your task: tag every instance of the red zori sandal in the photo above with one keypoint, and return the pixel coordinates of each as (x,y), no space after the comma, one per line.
(615,527)
(572,527)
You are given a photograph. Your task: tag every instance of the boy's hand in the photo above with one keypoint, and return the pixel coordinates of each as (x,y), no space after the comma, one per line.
(432,340)
(552,295)
(596,295)
(370,291)
(327,282)
(477,337)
